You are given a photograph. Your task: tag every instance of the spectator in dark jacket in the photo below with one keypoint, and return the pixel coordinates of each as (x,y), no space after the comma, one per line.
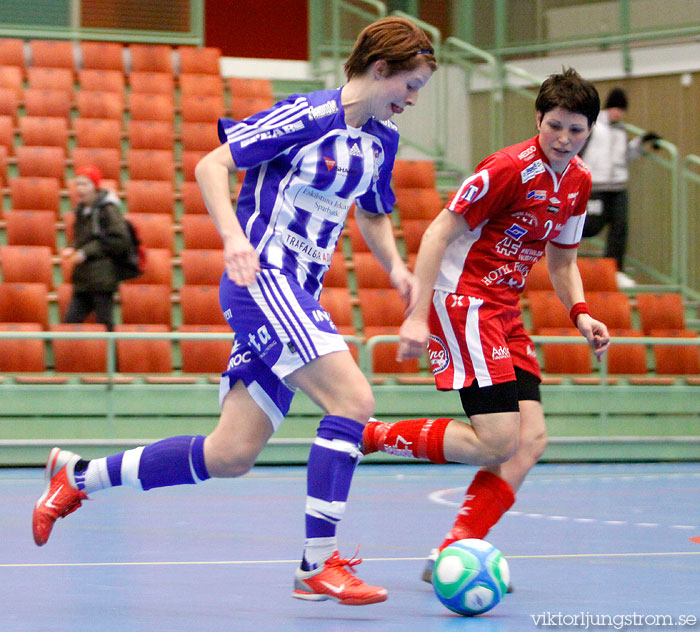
(101,235)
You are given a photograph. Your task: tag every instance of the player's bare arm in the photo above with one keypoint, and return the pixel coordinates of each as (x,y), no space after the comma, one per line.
(212,173)
(414,331)
(566,280)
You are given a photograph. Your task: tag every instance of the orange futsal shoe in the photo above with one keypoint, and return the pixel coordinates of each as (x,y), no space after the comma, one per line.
(60,496)
(335,581)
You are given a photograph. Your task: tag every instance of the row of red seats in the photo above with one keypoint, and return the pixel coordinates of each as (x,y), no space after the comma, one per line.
(143,355)
(109,56)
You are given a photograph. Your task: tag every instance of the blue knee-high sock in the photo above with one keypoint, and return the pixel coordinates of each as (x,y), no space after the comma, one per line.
(172,461)
(332,460)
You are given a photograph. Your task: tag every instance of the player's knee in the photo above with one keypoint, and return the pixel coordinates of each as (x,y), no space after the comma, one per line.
(357,404)
(228,461)
(501,448)
(534,445)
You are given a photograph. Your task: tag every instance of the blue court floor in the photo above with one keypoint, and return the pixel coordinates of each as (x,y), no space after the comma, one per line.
(587,546)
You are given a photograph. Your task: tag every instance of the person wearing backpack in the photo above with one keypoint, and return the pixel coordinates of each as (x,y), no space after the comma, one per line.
(102,241)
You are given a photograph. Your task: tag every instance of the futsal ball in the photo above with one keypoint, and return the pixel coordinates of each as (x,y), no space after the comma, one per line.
(470,576)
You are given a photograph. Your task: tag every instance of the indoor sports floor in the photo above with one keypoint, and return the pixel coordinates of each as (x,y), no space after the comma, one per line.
(584,542)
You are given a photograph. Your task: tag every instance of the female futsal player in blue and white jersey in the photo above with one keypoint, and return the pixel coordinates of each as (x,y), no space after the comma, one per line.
(307,159)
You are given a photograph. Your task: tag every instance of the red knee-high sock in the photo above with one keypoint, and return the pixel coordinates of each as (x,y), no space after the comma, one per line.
(487,499)
(417,438)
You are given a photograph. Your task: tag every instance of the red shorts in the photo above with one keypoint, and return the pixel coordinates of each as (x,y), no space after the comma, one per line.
(472,338)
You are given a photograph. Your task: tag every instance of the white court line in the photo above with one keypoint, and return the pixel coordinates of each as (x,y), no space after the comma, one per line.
(439,497)
(366,559)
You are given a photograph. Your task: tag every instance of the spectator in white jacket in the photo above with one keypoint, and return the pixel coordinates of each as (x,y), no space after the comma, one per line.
(607,155)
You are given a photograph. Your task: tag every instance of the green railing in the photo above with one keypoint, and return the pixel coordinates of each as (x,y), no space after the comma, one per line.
(27,20)
(689,174)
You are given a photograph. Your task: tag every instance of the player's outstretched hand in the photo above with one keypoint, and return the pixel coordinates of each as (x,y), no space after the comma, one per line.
(596,333)
(413,339)
(242,262)
(407,285)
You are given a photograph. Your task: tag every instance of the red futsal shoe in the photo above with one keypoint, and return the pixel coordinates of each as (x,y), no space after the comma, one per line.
(335,581)
(60,496)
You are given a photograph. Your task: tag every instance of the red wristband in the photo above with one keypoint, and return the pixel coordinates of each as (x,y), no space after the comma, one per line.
(577,310)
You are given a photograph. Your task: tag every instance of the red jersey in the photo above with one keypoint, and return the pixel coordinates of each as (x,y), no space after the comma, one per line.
(513,204)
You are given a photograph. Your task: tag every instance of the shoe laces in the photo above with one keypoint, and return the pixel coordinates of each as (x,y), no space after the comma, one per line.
(344,565)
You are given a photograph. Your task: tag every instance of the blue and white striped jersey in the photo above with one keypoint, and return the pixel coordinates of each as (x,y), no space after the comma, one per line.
(305,168)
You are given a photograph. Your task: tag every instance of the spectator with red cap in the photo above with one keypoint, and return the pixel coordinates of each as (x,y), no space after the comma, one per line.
(100,236)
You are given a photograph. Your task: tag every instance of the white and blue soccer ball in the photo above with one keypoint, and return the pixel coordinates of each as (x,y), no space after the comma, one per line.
(470,576)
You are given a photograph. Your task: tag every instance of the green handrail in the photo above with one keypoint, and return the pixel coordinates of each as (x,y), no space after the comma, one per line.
(687,175)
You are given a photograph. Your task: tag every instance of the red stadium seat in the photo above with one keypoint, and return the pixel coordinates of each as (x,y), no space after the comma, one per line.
(613,308)
(51,79)
(413,174)
(52,53)
(412,230)
(151,107)
(151,58)
(199,136)
(151,135)
(72,355)
(35,194)
(150,196)
(202,109)
(574,359)
(626,359)
(31,228)
(100,105)
(143,304)
(369,272)
(144,355)
(155,229)
(192,201)
(381,307)
(189,160)
(256,88)
(40,102)
(12,52)
(201,84)
(418,203)
(547,311)
(357,241)
(7,134)
(151,164)
(199,305)
(660,311)
(538,279)
(11,79)
(676,360)
(204,60)
(243,107)
(205,356)
(103,55)
(158,269)
(337,274)
(41,162)
(98,133)
(21,355)
(384,353)
(44,131)
(199,232)
(95,80)
(9,103)
(26,264)
(202,267)
(598,274)
(152,82)
(24,303)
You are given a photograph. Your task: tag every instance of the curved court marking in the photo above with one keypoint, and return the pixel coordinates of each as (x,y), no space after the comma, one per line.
(366,559)
(438,497)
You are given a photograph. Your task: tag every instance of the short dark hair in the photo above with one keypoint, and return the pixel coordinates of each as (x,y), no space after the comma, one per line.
(616,99)
(570,91)
(397,41)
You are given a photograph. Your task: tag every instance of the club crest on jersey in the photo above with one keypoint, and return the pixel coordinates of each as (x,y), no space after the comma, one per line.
(470,193)
(536,194)
(527,218)
(532,170)
(438,354)
(330,163)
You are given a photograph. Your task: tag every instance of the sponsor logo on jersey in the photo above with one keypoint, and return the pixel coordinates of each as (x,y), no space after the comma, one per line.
(527,153)
(322,204)
(438,354)
(238,357)
(536,194)
(500,353)
(330,163)
(552,209)
(527,218)
(516,232)
(228,314)
(273,133)
(499,274)
(307,248)
(325,109)
(530,351)
(530,255)
(532,170)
